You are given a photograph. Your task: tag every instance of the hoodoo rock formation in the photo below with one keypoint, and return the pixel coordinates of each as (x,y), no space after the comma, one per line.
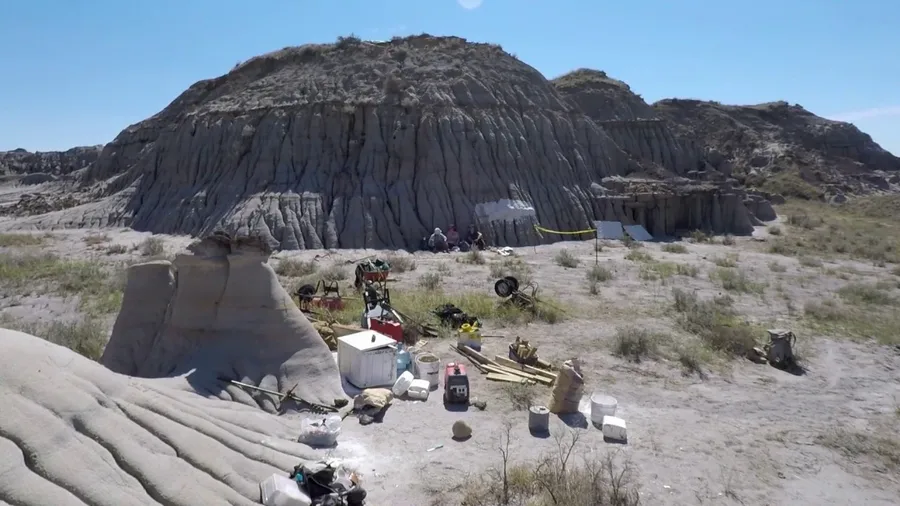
(220,312)
(361,144)
(155,426)
(763,143)
(72,432)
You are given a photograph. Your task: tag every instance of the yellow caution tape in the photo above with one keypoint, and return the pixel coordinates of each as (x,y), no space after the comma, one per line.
(542,229)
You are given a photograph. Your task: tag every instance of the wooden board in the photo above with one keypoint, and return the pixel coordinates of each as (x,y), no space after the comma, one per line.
(522,367)
(506,378)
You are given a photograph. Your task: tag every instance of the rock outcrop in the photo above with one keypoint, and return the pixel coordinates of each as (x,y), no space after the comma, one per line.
(220,312)
(19,161)
(361,144)
(632,123)
(778,147)
(673,207)
(72,432)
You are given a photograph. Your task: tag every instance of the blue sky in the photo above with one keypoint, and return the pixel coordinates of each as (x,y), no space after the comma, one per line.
(77,72)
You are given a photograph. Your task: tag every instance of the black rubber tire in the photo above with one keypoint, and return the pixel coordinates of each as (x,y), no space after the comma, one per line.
(503,288)
(513,281)
(306,292)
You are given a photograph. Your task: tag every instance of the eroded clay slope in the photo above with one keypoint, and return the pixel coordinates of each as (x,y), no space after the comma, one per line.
(356,144)
(631,122)
(765,140)
(220,312)
(74,433)
(19,161)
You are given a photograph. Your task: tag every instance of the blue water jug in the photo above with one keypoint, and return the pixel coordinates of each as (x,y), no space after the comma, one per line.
(403,360)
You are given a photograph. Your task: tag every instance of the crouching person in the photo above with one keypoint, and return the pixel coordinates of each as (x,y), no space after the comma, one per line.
(438,241)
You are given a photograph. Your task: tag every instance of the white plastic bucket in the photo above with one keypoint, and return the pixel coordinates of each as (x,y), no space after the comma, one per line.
(602,405)
(402,384)
(429,368)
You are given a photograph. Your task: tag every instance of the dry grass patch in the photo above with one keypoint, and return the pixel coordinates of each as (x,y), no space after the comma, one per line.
(717,325)
(595,275)
(729,260)
(116,249)
(864,321)
(882,448)
(473,257)
(99,291)
(21,240)
(521,397)
(674,247)
(294,268)
(777,267)
(95,239)
(636,255)
(806,261)
(564,258)
(865,293)
(152,247)
(401,263)
(736,280)
(774,230)
(863,228)
(430,281)
(85,336)
(334,272)
(555,479)
(511,266)
(635,345)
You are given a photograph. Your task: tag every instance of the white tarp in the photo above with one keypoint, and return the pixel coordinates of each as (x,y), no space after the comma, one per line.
(504,210)
(609,229)
(638,233)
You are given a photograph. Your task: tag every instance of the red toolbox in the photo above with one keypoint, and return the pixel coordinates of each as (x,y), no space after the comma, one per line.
(391,329)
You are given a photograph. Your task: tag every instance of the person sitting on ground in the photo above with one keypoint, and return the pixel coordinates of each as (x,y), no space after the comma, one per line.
(452,237)
(438,241)
(474,238)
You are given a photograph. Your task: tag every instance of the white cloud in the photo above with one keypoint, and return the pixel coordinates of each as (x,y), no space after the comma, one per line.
(469,4)
(876,112)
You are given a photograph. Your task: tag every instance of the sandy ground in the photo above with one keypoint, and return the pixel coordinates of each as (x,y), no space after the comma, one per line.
(745,434)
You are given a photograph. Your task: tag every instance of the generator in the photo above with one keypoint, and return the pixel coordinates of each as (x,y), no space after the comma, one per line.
(456,384)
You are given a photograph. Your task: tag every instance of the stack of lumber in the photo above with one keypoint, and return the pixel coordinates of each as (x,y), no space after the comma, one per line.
(506,370)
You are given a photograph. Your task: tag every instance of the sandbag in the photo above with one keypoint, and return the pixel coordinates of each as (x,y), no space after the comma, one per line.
(567,389)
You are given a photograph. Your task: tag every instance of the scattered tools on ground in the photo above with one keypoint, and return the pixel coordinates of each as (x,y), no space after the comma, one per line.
(454,317)
(522,352)
(325,295)
(282,396)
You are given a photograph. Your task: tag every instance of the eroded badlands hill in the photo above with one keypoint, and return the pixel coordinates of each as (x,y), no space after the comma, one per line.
(630,121)
(19,161)
(369,144)
(769,145)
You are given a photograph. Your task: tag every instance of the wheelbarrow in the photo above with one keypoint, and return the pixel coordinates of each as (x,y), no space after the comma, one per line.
(325,295)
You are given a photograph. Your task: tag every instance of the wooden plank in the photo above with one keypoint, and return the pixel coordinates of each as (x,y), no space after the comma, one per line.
(341,330)
(493,376)
(470,359)
(478,356)
(513,372)
(522,367)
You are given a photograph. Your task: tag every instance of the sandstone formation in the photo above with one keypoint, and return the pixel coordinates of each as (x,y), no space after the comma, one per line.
(220,312)
(361,144)
(73,433)
(764,144)
(677,206)
(631,122)
(19,161)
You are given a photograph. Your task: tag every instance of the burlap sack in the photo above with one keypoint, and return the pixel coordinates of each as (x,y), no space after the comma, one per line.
(567,389)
